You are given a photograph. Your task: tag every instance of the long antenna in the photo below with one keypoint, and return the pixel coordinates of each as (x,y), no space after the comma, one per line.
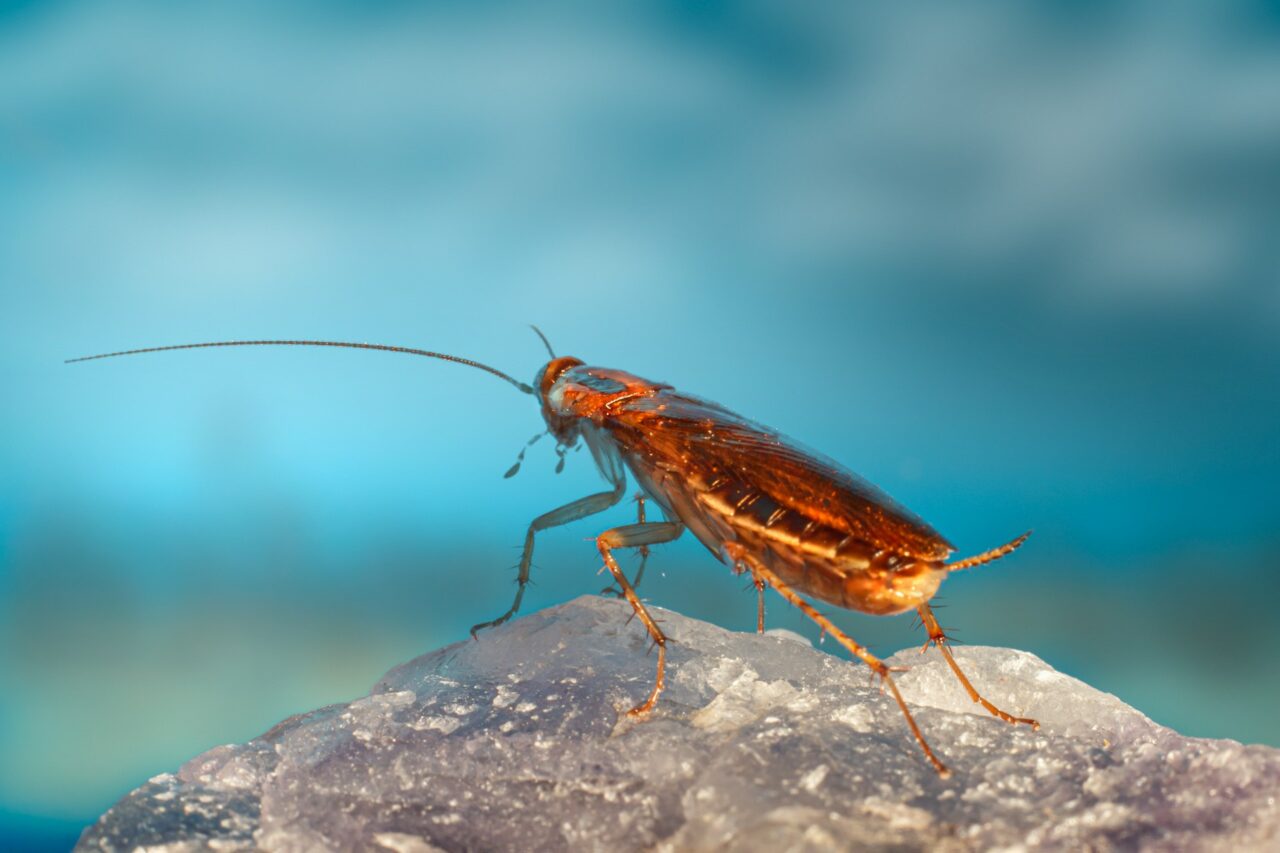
(546,343)
(410,350)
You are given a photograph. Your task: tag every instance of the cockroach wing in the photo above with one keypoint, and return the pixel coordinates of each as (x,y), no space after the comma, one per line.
(691,436)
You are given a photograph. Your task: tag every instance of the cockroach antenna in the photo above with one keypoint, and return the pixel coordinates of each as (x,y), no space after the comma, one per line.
(545,342)
(386,348)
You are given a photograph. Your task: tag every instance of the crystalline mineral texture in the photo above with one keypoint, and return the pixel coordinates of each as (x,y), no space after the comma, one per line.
(520,740)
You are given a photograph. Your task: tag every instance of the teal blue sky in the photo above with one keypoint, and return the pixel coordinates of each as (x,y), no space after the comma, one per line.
(1019,266)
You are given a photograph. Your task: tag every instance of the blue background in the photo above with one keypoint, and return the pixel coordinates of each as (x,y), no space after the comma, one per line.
(1018,266)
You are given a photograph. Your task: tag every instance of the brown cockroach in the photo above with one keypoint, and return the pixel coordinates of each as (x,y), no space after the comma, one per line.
(797,521)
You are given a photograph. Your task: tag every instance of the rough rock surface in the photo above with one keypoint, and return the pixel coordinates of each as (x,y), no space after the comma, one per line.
(520,741)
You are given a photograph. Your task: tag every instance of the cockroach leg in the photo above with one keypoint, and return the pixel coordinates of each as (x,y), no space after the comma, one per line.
(739,554)
(643,550)
(630,536)
(739,567)
(939,638)
(581,508)
(760,586)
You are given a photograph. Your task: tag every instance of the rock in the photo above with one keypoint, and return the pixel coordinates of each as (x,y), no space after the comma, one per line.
(520,741)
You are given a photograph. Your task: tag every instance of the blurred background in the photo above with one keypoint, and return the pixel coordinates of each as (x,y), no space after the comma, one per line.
(1018,264)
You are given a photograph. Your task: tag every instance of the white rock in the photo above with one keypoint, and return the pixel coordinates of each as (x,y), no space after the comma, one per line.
(520,741)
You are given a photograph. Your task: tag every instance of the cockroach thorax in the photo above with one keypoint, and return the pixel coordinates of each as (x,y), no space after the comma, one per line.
(575,392)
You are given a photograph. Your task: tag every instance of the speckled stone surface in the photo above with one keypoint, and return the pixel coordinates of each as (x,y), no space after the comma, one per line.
(520,741)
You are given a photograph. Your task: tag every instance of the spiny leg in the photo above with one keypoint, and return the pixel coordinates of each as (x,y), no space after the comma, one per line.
(630,536)
(939,638)
(739,567)
(581,508)
(760,586)
(643,550)
(761,572)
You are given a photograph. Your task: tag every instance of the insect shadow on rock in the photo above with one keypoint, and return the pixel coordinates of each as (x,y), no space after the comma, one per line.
(797,521)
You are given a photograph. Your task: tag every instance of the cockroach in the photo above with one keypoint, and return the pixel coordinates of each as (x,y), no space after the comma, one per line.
(796,521)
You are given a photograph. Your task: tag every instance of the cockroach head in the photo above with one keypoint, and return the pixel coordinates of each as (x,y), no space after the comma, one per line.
(564,429)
